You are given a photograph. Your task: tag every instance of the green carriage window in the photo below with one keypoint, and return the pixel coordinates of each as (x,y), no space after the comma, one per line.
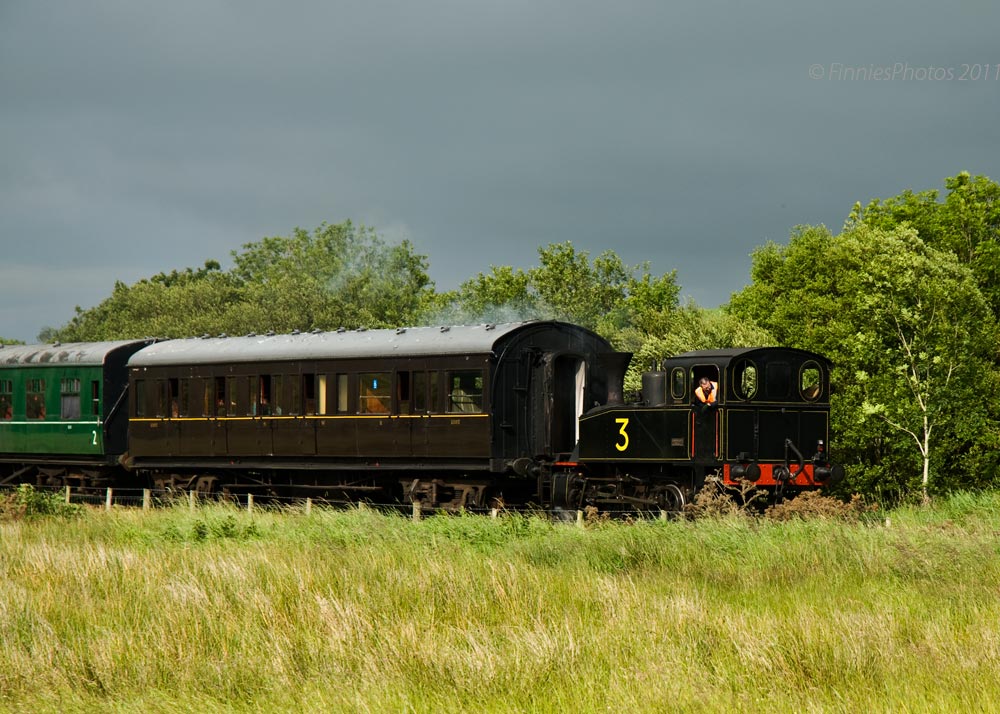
(69,399)
(34,402)
(95,397)
(465,391)
(6,399)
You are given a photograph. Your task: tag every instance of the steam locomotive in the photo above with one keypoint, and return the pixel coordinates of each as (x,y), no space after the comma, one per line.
(449,417)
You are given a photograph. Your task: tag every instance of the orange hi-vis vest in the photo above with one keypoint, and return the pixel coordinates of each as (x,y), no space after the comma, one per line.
(710,399)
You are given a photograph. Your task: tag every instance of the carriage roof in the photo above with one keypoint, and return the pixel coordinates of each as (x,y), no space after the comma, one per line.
(75,353)
(339,344)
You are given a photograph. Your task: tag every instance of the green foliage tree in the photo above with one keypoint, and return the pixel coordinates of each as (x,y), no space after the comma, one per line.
(912,340)
(636,310)
(966,223)
(603,294)
(337,275)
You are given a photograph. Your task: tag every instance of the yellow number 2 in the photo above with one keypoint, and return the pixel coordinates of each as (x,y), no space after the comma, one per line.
(624,444)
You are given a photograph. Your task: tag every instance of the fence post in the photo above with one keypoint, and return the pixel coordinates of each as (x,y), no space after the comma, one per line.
(107,501)
(309,506)
(147,496)
(416,511)
(191,495)
(663,515)
(579,518)
(67,494)
(494,512)
(249,503)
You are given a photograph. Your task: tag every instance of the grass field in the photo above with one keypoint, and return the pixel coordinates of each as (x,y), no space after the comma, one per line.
(219,611)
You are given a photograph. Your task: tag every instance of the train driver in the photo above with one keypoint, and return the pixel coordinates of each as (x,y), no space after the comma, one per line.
(707,391)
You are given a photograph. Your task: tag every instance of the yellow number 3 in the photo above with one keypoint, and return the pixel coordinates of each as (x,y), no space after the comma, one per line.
(623,445)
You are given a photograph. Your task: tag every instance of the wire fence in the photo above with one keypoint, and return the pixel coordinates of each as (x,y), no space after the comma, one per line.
(148,499)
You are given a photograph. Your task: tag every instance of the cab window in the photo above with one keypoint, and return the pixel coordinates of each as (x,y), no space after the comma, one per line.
(745,379)
(811,381)
(678,386)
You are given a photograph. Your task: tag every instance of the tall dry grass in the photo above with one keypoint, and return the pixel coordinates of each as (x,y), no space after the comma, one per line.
(356,611)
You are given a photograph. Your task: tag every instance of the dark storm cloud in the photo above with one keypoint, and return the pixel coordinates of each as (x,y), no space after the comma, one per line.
(137,138)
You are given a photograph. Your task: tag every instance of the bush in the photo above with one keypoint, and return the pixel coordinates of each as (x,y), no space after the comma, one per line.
(26,502)
(813,504)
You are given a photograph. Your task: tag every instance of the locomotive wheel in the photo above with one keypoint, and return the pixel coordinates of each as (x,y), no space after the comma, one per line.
(672,499)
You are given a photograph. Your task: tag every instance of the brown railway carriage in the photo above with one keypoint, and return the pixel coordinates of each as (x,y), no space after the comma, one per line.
(449,416)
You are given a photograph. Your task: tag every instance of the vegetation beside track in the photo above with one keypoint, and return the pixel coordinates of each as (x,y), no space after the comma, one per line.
(218,610)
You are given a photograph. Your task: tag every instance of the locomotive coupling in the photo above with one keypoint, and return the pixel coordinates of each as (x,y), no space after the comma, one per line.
(526,467)
(745,472)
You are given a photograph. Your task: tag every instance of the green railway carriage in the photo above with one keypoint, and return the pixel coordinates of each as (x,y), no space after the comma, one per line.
(63,414)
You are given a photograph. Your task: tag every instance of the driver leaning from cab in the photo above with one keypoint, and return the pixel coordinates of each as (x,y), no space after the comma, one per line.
(707,391)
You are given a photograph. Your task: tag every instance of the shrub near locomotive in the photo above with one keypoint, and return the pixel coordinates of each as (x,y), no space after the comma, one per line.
(769,424)
(452,417)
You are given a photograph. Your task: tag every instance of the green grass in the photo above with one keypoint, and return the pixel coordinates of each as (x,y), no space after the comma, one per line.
(216,611)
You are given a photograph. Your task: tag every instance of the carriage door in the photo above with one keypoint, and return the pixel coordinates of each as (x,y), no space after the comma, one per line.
(566,385)
(707,420)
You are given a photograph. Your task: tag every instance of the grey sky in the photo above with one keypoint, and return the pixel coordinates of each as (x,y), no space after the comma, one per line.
(142,137)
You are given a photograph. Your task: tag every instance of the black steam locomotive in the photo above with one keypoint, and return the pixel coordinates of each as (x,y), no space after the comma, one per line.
(450,417)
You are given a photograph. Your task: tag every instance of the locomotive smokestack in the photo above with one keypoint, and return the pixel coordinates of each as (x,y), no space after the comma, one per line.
(614,364)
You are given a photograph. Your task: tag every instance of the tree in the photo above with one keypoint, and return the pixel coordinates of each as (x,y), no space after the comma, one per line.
(966,223)
(912,340)
(338,275)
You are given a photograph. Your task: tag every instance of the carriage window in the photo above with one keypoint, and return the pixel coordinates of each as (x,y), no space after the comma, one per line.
(810,382)
(279,397)
(403,392)
(185,398)
(201,398)
(173,391)
(678,387)
(425,392)
(6,399)
(140,397)
(69,398)
(779,380)
(465,391)
(375,393)
(34,406)
(219,399)
(231,396)
(247,395)
(342,393)
(309,393)
(95,397)
(264,396)
(745,379)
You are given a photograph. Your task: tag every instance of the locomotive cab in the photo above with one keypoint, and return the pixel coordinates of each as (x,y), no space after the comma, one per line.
(747,414)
